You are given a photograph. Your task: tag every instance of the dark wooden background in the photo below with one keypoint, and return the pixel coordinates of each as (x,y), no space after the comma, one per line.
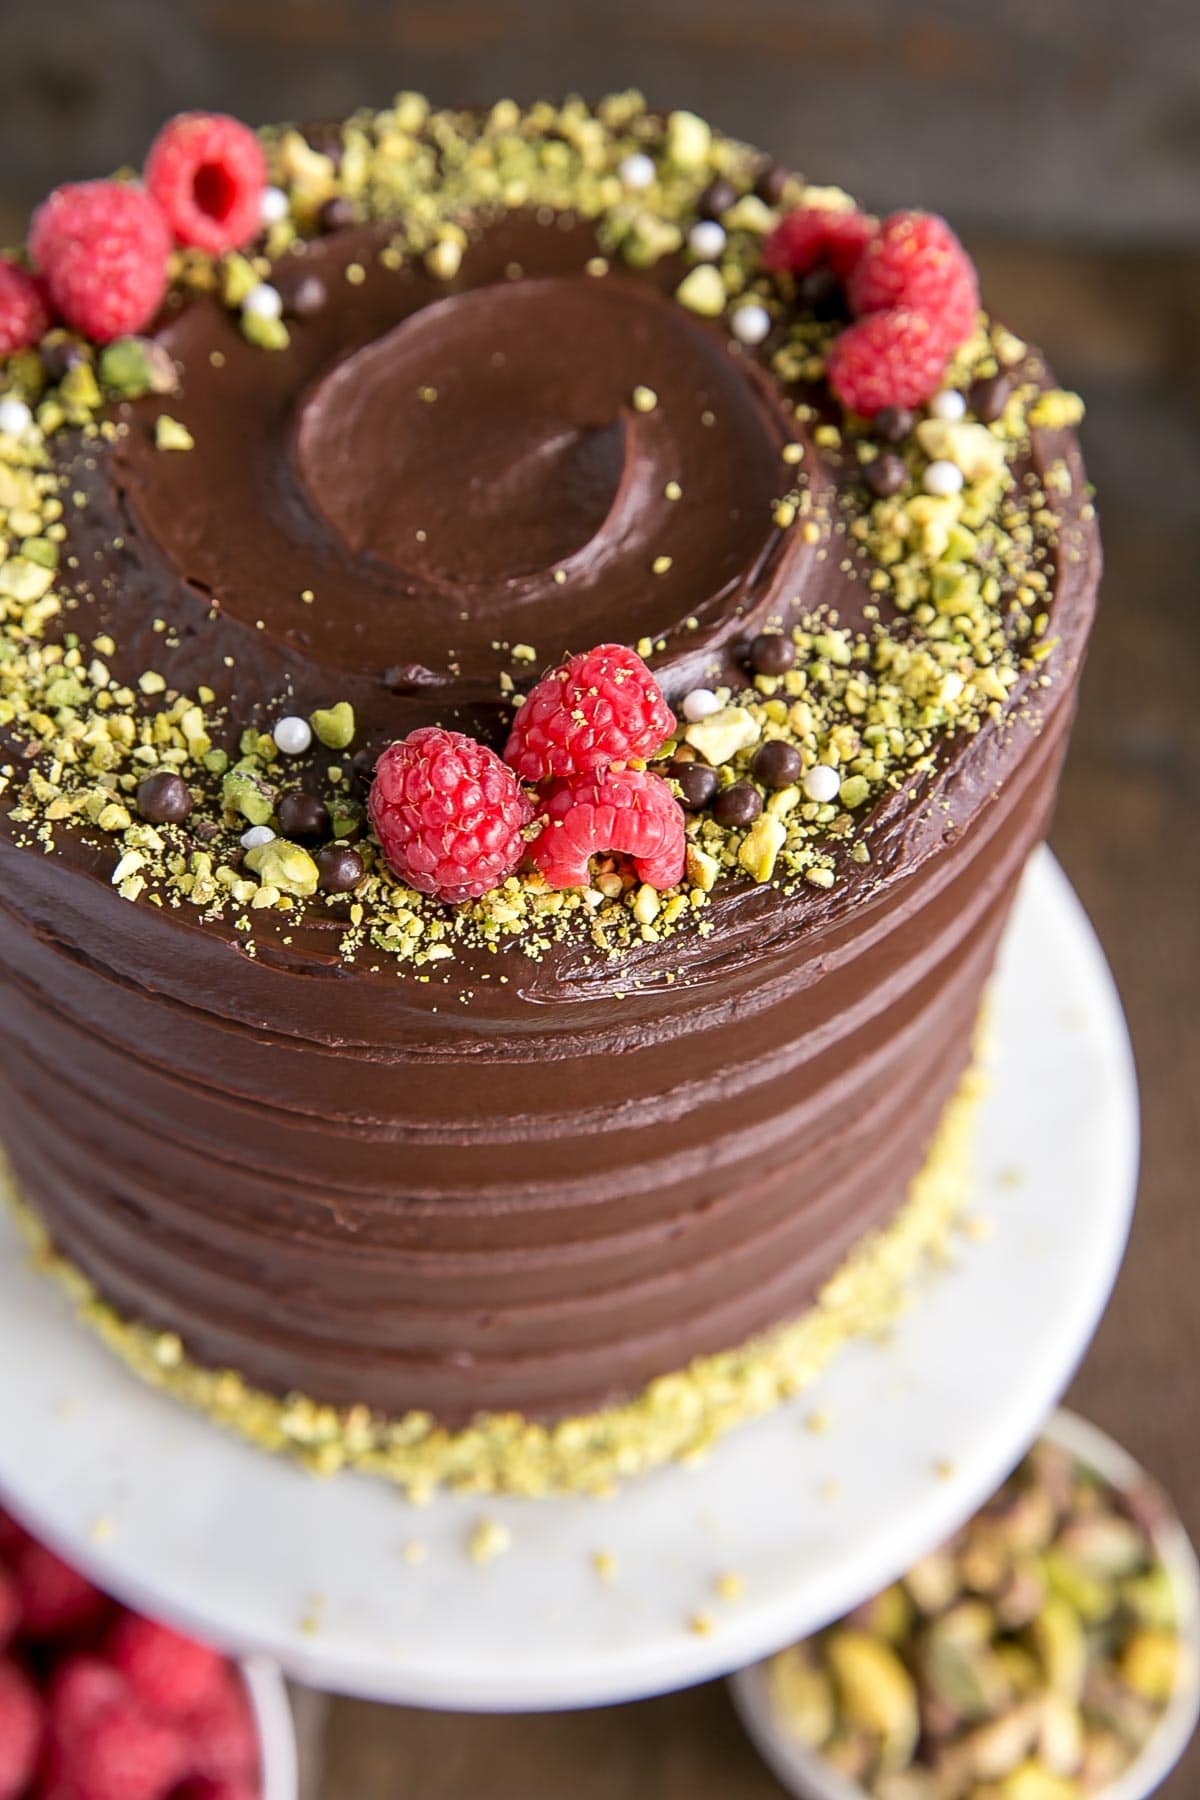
(1064,139)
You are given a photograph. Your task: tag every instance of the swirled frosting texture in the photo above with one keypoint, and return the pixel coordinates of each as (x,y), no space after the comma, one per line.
(506,1183)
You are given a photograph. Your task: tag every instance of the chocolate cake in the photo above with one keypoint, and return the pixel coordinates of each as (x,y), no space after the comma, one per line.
(535,1187)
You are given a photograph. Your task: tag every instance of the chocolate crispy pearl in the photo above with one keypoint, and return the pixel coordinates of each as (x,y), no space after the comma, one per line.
(772,182)
(303,817)
(475,1192)
(893,424)
(887,474)
(717,199)
(336,214)
(737,805)
(777,764)
(989,397)
(339,869)
(771,653)
(164,799)
(697,783)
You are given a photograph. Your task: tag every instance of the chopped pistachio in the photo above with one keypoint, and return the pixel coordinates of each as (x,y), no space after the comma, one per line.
(759,849)
(333,726)
(265,332)
(169,434)
(285,866)
(723,734)
(244,791)
(131,366)
(702,291)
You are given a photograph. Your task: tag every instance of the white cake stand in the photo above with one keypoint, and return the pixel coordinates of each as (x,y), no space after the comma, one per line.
(174,1516)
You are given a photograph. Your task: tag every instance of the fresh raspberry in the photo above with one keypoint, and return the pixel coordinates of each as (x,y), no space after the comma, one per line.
(169,1673)
(83,1688)
(598,708)
(21,1725)
(812,237)
(916,262)
(10,1609)
(102,247)
(894,358)
(24,315)
(627,810)
(448,814)
(124,1753)
(222,1737)
(207,172)
(55,1598)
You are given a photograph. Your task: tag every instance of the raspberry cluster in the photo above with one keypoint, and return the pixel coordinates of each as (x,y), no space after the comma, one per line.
(101,248)
(97,1703)
(912,290)
(451,816)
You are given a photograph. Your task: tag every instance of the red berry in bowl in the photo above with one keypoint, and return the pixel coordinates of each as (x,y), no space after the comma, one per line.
(124,1753)
(83,1687)
(21,1730)
(55,1598)
(170,1674)
(448,814)
(598,708)
(24,314)
(626,810)
(207,173)
(221,1736)
(101,247)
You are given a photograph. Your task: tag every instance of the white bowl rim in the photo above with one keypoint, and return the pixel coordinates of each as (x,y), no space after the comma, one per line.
(276,1727)
(804,1773)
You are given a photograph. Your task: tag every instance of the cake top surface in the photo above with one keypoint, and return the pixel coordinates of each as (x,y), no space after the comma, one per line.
(483,391)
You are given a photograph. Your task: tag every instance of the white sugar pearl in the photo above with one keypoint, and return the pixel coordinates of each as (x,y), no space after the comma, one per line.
(706,240)
(942,478)
(821,784)
(701,703)
(750,323)
(264,301)
(292,735)
(256,837)
(637,171)
(15,416)
(949,404)
(273,206)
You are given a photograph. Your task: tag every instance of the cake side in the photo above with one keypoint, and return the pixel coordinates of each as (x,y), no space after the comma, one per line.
(531,1152)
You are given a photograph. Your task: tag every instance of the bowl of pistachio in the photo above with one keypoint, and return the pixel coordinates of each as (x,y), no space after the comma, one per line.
(1049,1651)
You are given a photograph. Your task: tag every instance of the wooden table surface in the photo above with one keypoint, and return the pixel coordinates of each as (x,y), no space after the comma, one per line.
(1125,328)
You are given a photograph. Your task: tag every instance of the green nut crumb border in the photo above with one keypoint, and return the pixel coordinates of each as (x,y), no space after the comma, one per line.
(676,1418)
(966,576)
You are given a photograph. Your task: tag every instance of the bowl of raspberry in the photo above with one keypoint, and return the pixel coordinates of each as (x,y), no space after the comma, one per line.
(100,1703)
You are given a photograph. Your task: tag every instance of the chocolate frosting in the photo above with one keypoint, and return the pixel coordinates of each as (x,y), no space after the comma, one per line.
(512,1184)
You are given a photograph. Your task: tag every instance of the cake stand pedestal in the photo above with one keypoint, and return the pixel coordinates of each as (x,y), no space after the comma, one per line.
(352,1588)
